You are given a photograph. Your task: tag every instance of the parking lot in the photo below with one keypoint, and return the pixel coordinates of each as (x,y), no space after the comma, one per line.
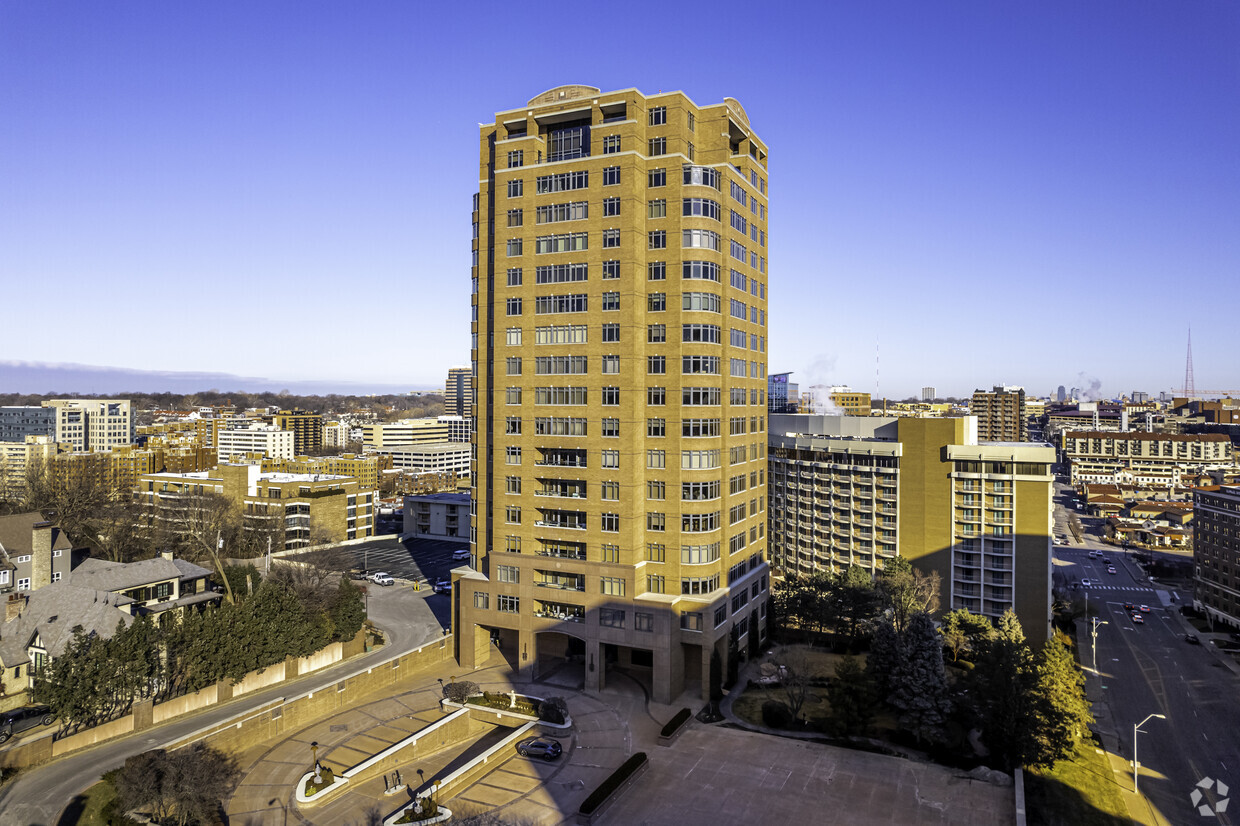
(415,560)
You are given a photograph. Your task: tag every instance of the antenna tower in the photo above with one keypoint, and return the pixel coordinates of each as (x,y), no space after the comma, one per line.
(1189,389)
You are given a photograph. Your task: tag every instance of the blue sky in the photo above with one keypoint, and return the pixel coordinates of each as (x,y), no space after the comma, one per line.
(1036,193)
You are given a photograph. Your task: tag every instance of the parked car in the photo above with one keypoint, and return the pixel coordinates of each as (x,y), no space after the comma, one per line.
(1191,639)
(539,747)
(359,574)
(22,719)
(382,578)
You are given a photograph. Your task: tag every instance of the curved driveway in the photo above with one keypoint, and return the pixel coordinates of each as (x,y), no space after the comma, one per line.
(38,796)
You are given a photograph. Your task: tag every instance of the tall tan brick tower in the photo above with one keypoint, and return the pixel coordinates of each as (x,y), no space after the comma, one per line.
(619,335)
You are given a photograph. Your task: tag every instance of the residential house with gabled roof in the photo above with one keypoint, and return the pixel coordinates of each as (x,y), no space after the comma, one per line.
(97,595)
(33,552)
(39,625)
(156,586)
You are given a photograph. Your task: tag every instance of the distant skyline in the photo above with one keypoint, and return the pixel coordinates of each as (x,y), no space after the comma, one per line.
(963,194)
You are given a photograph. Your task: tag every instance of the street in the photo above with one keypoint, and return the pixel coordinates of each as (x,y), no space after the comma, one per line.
(1148,668)
(38,796)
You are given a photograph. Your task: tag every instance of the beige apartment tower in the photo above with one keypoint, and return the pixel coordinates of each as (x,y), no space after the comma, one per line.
(619,298)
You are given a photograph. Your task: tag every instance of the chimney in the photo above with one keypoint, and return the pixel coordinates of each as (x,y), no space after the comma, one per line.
(166,555)
(41,554)
(14,607)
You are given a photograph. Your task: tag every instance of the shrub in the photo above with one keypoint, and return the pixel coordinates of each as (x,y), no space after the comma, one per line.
(776,715)
(553,710)
(676,722)
(459,692)
(613,782)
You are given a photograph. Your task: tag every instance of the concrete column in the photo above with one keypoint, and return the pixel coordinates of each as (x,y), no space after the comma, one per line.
(705,654)
(526,655)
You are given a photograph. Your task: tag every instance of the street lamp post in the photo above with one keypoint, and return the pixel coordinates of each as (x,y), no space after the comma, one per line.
(1094,634)
(1135,764)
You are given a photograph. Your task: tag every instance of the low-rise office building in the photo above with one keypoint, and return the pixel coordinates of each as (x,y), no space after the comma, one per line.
(17,423)
(408,432)
(441,457)
(437,516)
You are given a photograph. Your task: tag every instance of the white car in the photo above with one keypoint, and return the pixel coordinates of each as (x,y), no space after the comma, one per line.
(382,578)
(1086,582)
(461,555)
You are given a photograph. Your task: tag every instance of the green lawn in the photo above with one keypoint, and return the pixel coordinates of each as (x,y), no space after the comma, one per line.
(90,807)
(819,664)
(1077,792)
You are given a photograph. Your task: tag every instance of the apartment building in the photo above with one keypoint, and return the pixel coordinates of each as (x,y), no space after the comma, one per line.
(855,491)
(437,457)
(17,457)
(1001,414)
(619,344)
(1216,552)
(267,439)
(306,427)
(92,424)
(1146,460)
(458,393)
(304,506)
(365,469)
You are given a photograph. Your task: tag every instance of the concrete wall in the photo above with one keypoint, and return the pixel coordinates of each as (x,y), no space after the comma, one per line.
(35,751)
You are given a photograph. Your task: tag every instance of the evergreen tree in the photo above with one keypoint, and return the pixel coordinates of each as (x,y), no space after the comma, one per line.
(964,632)
(347,611)
(919,681)
(886,653)
(857,602)
(1061,712)
(1004,682)
(853,698)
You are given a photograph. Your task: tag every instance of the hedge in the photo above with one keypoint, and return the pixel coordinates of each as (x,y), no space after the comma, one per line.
(676,722)
(608,787)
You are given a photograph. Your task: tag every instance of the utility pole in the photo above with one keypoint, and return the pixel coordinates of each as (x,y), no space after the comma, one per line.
(1094,633)
(1135,731)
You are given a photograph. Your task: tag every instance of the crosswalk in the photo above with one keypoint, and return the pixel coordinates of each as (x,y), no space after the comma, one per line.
(1139,588)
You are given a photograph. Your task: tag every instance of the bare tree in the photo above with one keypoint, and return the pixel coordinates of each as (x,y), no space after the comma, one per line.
(202,524)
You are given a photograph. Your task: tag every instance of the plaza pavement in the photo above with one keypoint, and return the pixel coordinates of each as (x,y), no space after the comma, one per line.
(711,775)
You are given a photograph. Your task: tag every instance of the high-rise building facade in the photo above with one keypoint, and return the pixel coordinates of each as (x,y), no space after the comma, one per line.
(458,393)
(306,427)
(854,491)
(92,424)
(928,394)
(620,356)
(1001,414)
(1216,552)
